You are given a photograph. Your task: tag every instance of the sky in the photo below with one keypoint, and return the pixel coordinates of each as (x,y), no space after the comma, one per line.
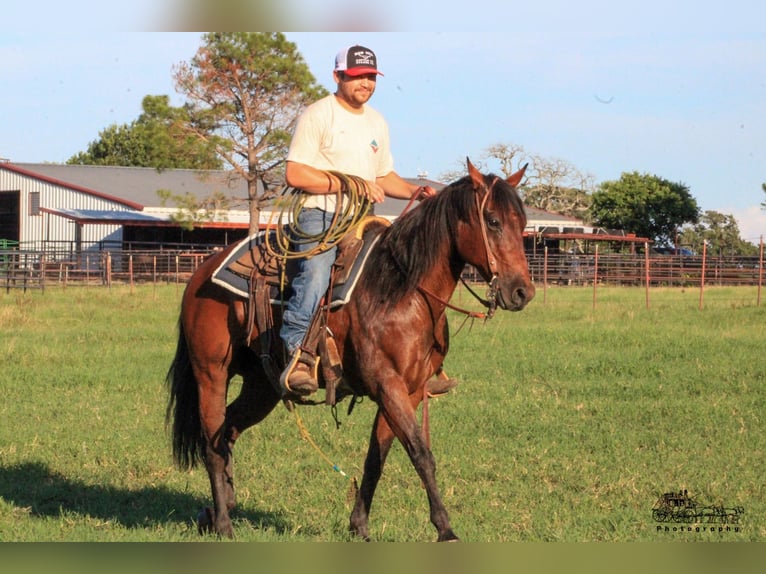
(670,88)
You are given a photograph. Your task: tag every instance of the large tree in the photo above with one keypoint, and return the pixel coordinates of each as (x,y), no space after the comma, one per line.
(244,93)
(557,186)
(721,233)
(647,205)
(553,185)
(156,139)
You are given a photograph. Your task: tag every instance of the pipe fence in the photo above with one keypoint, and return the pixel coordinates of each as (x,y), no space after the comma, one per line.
(36,269)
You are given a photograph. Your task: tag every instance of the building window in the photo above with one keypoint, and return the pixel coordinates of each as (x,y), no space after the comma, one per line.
(34,203)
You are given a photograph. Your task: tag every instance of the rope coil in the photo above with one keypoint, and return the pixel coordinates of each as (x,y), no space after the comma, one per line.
(352,206)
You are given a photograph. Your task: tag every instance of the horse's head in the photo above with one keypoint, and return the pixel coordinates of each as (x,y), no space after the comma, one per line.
(492,239)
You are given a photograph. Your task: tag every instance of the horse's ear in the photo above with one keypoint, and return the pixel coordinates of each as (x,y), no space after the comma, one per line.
(515,179)
(476,177)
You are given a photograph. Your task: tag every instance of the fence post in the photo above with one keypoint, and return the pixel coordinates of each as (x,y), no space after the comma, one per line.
(702,277)
(760,273)
(595,277)
(545,275)
(42,272)
(25,272)
(647,276)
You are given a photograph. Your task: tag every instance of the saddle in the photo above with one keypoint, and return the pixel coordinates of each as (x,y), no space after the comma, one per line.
(262,278)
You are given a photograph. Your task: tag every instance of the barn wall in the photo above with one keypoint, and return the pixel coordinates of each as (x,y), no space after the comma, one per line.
(34,230)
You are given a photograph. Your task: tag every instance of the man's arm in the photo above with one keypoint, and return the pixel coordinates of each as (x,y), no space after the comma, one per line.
(396,186)
(312,180)
(309,179)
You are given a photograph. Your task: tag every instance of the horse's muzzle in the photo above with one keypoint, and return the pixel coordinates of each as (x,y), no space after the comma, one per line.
(516,297)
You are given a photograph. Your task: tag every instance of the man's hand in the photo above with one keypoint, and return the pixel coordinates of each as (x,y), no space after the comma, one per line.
(373,192)
(424,191)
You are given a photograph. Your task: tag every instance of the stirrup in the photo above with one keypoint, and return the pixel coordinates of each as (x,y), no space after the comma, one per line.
(312,365)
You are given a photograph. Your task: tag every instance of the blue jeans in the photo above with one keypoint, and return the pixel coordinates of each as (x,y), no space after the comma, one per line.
(310,282)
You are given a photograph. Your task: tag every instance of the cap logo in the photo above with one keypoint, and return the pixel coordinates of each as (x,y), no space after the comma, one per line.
(363,58)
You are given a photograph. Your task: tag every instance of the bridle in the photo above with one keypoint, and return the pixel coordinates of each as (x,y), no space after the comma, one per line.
(491,300)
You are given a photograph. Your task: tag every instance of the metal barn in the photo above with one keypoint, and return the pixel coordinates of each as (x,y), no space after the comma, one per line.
(24,195)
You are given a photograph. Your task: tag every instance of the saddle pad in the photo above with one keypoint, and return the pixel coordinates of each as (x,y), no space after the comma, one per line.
(227,276)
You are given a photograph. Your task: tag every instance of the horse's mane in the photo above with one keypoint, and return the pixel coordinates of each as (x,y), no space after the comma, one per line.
(416,241)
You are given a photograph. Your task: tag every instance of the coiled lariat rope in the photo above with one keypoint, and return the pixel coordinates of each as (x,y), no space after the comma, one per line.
(352,206)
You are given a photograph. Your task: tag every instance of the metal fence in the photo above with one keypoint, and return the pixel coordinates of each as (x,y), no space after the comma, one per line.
(30,269)
(639,269)
(27,269)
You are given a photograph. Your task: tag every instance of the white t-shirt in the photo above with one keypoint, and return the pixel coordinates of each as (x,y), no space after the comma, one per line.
(329,137)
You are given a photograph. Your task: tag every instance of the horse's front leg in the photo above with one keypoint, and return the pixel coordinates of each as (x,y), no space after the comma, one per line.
(398,408)
(380,443)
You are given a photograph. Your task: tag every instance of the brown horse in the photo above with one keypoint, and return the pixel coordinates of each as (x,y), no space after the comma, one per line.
(392,337)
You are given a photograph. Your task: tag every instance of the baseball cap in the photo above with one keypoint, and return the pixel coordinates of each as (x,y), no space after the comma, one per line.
(356,60)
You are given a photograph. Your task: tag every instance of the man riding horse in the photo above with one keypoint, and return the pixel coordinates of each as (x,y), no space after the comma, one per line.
(337,133)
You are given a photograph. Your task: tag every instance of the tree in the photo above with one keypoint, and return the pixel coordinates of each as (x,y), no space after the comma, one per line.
(647,205)
(192,210)
(553,185)
(156,139)
(721,233)
(244,93)
(557,186)
(510,157)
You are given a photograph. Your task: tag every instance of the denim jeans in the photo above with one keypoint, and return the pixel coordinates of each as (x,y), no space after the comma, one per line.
(310,282)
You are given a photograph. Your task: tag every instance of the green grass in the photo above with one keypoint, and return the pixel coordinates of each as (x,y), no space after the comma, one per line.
(568,423)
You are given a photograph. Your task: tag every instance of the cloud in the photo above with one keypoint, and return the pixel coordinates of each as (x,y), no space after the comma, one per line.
(751,221)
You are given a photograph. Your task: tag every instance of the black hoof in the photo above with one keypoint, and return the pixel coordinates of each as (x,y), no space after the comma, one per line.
(448,536)
(205,521)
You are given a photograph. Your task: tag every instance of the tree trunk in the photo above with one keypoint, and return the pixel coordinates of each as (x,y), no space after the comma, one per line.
(255,211)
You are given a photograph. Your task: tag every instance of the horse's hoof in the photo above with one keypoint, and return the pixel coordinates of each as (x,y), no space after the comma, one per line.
(205,521)
(448,536)
(360,533)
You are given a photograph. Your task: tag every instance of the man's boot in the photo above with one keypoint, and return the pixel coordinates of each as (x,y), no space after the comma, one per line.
(299,377)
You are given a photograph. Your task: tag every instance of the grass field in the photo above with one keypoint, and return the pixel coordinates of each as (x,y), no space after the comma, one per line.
(569,422)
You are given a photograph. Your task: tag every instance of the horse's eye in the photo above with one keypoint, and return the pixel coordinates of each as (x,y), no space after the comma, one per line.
(493,222)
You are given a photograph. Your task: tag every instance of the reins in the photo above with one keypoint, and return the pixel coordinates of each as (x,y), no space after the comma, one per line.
(471,314)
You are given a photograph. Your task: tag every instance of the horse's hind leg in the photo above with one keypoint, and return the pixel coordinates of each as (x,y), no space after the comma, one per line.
(380,444)
(221,427)
(256,400)
(212,407)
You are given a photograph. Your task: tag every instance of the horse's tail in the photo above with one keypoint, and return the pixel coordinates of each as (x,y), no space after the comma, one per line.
(183,408)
